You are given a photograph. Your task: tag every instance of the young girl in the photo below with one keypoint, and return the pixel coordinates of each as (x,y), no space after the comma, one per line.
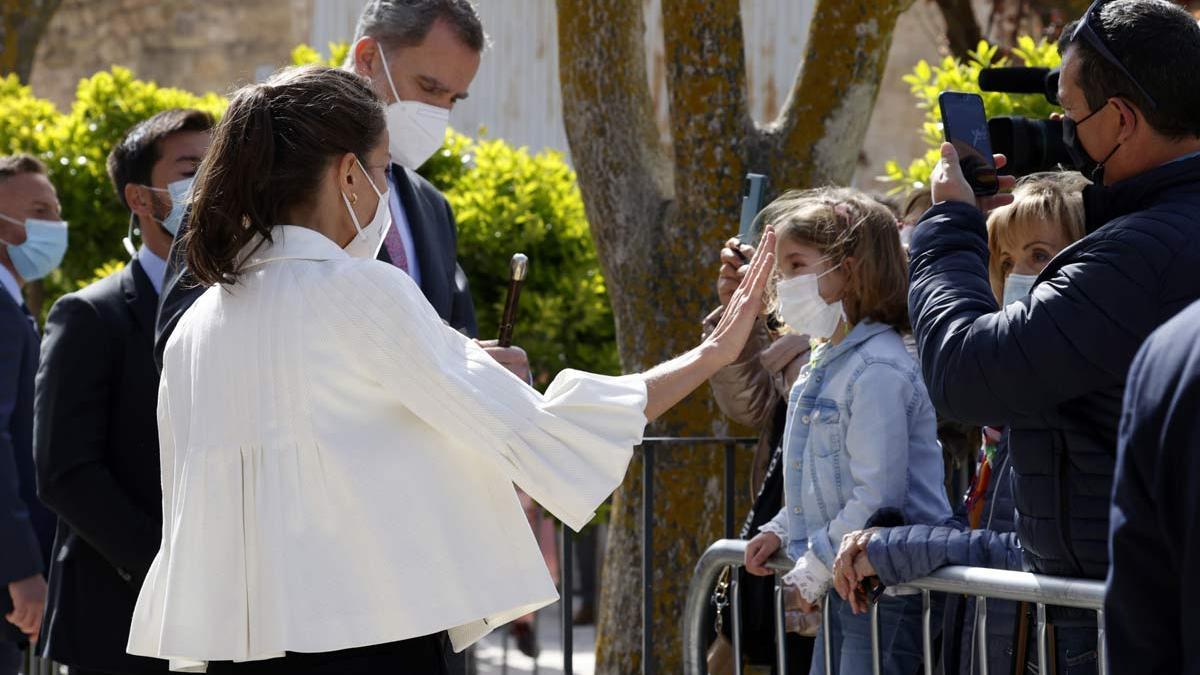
(1046,216)
(861,433)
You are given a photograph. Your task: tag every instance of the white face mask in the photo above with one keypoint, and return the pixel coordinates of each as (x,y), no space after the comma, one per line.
(416,129)
(1017,286)
(804,310)
(366,243)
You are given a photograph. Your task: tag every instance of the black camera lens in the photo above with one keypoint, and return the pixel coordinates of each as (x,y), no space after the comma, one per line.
(1030,145)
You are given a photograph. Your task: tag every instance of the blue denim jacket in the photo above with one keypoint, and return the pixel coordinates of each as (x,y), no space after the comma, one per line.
(861,435)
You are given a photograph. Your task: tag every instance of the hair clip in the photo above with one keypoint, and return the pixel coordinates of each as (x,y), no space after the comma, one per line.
(842,210)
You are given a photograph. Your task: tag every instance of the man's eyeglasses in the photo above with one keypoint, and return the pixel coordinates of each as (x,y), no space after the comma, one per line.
(1085,32)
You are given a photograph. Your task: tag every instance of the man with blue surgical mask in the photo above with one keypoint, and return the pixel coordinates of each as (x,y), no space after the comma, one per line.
(95,430)
(33,240)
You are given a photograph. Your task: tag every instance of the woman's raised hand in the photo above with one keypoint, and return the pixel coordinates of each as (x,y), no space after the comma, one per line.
(731,333)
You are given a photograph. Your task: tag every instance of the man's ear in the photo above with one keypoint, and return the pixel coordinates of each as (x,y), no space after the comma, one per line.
(1131,117)
(139,199)
(364,52)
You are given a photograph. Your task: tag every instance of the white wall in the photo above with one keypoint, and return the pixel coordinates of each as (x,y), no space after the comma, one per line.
(516,94)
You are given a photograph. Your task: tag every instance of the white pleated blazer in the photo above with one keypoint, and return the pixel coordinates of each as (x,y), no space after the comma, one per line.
(338,467)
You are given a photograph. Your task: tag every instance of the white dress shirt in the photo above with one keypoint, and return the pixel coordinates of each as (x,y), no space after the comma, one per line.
(9,282)
(338,467)
(154,267)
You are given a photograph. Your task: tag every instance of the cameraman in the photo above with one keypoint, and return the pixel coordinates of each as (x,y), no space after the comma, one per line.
(1053,366)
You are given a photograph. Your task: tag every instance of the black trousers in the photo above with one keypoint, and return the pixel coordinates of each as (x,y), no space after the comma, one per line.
(418,656)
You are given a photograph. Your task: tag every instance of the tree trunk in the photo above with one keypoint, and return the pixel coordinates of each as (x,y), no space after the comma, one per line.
(21,26)
(658,221)
(962,28)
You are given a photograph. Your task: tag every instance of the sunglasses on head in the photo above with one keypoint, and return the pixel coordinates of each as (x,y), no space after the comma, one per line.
(1084,31)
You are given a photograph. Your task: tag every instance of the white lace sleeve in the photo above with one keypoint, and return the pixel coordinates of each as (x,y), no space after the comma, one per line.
(810,576)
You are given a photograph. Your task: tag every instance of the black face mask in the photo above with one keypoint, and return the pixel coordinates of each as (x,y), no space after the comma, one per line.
(1079,155)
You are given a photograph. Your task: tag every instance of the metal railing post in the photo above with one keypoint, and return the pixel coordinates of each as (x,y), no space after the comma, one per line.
(1101,644)
(1043,657)
(876,655)
(826,642)
(780,628)
(927,631)
(729,480)
(981,633)
(735,615)
(568,596)
(647,557)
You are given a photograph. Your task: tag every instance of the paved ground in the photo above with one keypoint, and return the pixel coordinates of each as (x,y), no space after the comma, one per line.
(490,652)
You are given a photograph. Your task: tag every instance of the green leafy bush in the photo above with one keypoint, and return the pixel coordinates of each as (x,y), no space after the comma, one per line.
(506,200)
(926,82)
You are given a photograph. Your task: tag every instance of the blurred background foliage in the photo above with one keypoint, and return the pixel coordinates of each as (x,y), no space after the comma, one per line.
(927,81)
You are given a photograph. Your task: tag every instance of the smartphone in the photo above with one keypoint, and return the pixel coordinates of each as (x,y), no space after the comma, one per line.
(965,125)
(753,195)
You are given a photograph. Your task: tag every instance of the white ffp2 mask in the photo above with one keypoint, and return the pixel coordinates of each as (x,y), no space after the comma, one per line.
(804,310)
(367,241)
(416,129)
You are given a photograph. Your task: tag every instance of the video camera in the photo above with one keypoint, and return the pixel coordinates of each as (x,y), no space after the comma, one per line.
(1030,145)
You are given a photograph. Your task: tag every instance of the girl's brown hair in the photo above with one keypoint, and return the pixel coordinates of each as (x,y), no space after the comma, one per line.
(268,156)
(1053,197)
(844,223)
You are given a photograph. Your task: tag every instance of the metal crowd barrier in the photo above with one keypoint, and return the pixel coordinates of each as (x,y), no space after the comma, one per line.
(34,665)
(979,582)
(648,448)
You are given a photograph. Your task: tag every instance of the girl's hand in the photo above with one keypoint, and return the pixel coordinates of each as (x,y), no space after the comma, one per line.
(759,550)
(730,335)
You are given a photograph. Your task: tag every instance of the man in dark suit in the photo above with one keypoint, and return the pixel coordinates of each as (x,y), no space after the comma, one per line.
(432,51)
(96,432)
(28,204)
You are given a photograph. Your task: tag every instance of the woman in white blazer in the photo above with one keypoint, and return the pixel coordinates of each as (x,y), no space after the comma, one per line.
(338,464)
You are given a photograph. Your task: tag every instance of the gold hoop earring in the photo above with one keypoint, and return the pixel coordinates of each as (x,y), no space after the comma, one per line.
(353,197)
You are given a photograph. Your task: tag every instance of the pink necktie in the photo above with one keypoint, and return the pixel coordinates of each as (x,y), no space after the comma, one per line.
(395,247)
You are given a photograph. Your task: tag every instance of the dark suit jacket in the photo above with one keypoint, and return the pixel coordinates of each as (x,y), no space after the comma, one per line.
(434,236)
(26,527)
(96,446)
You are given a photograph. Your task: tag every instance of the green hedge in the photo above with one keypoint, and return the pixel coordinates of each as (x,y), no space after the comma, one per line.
(506,200)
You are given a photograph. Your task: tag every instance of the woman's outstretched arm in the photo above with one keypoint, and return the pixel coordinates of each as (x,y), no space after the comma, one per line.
(669,383)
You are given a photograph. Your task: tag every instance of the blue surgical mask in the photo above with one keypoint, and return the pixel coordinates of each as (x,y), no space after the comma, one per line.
(181,192)
(1017,286)
(43,249)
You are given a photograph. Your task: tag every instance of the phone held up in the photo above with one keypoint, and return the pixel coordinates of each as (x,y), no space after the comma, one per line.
(753,195)
(965,126)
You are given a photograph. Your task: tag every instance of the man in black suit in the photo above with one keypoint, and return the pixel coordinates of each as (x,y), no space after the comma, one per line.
(29,210)
(96,432)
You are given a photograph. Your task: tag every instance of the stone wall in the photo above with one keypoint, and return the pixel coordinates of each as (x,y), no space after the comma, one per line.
(199,45)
